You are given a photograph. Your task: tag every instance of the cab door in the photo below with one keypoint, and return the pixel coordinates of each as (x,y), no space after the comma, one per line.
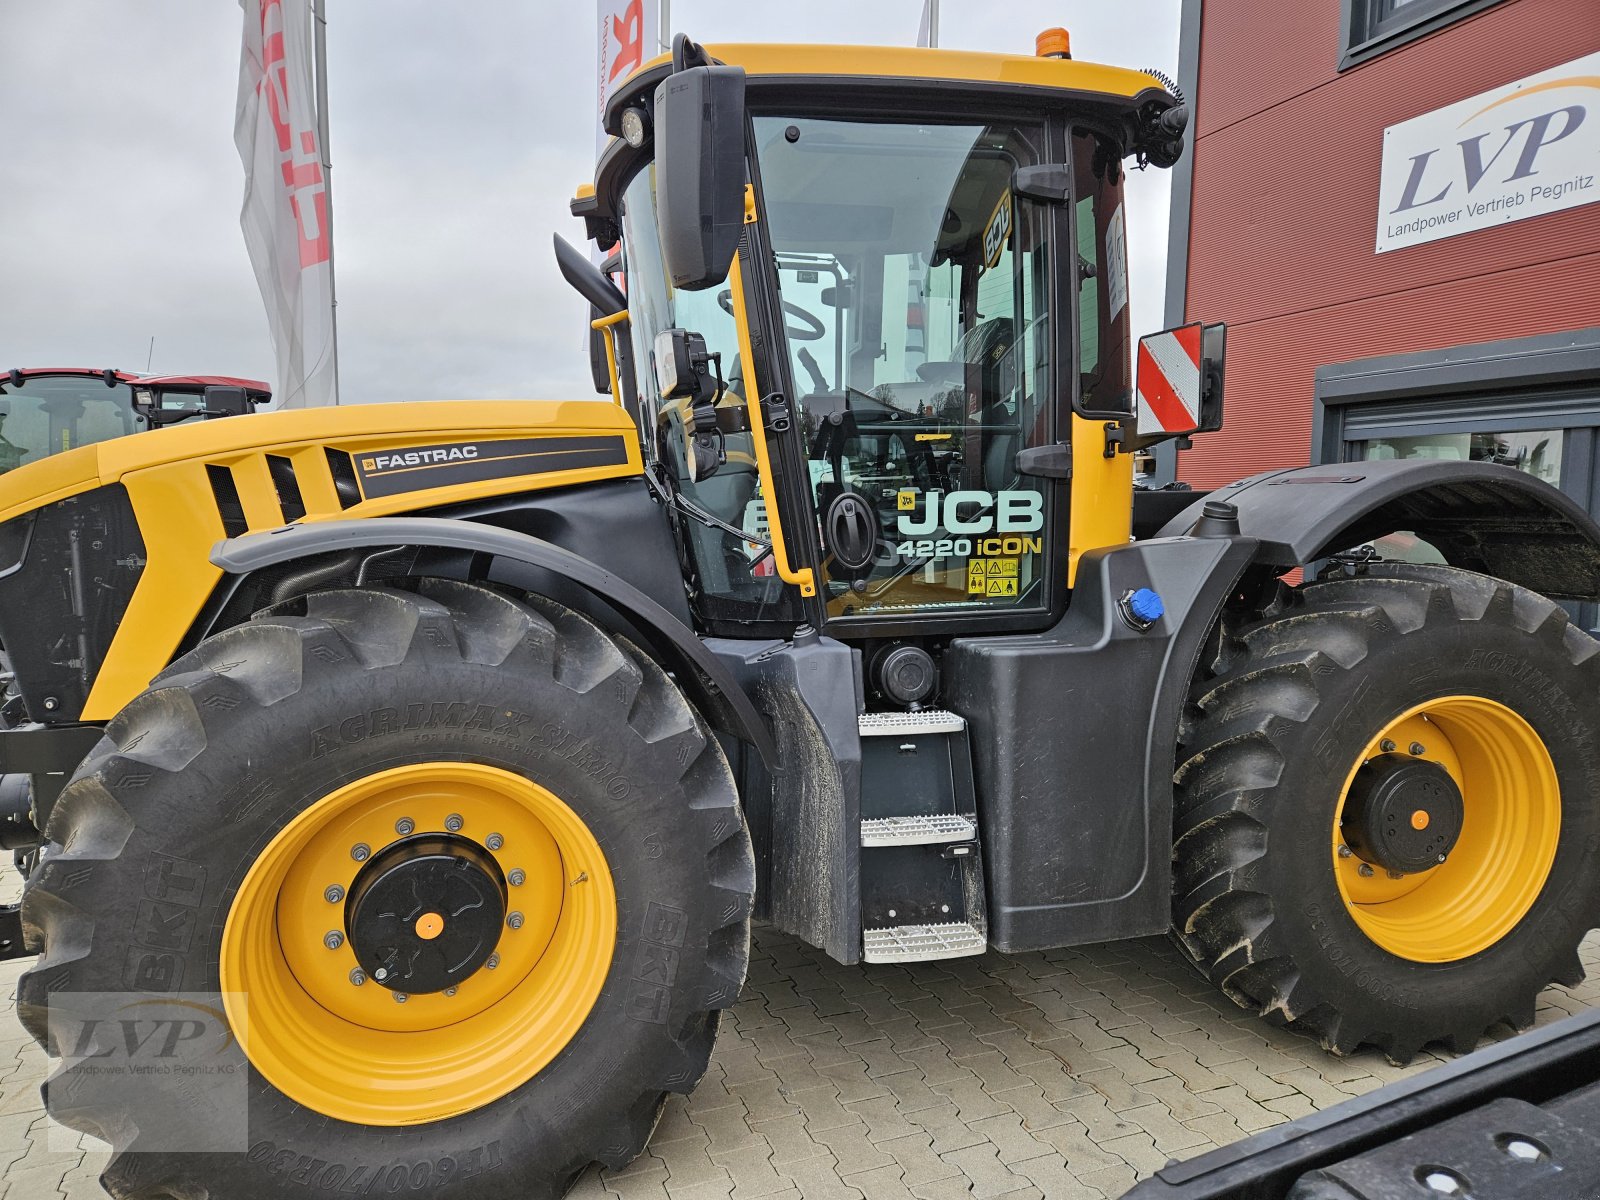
(924,323)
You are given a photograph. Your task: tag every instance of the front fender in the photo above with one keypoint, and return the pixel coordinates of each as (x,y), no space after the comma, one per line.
(675,645)
(1481,517)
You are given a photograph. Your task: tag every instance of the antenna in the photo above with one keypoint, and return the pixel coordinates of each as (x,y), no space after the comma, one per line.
(148,358)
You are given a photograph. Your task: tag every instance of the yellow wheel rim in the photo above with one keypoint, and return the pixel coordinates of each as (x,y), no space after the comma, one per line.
(353,1051)
(1510,825)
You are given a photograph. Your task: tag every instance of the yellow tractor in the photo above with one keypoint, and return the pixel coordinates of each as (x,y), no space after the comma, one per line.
(444,753)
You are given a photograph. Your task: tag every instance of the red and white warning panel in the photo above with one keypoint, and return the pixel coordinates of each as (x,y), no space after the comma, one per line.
(1170,385)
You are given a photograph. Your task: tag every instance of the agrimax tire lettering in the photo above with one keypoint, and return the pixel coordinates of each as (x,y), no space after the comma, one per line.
(336,1178)
(499,722)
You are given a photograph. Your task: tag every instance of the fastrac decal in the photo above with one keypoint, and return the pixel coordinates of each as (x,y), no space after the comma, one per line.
(391,472)
(1529,148)
(418,458)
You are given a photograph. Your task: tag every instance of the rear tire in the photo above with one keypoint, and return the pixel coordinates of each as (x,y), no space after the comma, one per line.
(206,772)
(1294,704)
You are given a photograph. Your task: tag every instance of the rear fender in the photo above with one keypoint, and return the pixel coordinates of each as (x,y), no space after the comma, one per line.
(1481,517)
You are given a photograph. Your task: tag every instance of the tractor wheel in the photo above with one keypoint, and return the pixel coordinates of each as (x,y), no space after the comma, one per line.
(1386,824)
(469,875)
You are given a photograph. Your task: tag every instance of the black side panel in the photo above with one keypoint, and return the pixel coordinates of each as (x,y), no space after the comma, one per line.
(805,819)
(616,525)
(1154,507)
(1482,517)
(1074,735)
(67,573)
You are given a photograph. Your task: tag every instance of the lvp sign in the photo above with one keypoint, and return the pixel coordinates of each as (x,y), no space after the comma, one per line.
(1529,148)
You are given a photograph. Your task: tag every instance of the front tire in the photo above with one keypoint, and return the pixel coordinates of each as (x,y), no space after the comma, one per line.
(567,827)
(1386,822)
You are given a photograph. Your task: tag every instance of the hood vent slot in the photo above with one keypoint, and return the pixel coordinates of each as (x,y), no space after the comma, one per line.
(226,494)
(288,487)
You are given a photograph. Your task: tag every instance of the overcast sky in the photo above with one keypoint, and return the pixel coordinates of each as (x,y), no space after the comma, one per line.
(459,131)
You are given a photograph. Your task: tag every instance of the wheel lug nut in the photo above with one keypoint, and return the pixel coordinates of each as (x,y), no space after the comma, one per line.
(381,974)
(1417,749)
(358,976)
(1396,874)
(361,852)
(1441,858)
(1387,745)
(400,997)
(334,894)
(333,939)
(1345,851)
(453,823)
(516,878)
(404,826)
(1364,870)
(515,920)
(494,841)
(450,991)
(494,961)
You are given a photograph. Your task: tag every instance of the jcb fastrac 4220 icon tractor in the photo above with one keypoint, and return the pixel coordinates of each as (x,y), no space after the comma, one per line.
(455,746)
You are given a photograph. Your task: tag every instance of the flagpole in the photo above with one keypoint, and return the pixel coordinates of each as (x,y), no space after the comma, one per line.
(319,23)
(664,26)
(933,22)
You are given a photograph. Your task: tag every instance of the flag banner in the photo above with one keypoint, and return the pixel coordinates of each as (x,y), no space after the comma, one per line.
(630,33)
(925,30)
(285,214)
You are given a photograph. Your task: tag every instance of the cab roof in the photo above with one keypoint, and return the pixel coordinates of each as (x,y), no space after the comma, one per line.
(917,65)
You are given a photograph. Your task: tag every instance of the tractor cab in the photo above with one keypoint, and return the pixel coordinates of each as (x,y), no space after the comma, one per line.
(45,411)
(874,323)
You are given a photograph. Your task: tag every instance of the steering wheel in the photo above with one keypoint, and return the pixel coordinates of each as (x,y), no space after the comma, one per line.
(810,329)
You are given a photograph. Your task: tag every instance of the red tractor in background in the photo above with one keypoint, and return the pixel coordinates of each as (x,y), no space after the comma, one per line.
(46,410)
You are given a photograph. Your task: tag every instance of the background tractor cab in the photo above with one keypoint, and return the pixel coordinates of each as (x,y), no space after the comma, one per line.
(45,411)
(903,367)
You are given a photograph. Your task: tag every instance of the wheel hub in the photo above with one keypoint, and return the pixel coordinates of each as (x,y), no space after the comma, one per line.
(426,913)
(1402,814)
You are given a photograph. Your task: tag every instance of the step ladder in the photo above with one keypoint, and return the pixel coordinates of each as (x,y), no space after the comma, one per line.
(922,892)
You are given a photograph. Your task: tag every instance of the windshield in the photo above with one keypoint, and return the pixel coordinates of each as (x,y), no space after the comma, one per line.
(914,288)
(47,414)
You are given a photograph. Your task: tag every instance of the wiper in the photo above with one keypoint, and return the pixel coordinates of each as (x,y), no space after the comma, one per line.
(711,522)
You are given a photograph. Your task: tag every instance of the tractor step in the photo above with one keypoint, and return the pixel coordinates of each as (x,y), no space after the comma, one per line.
(904,724)
(917,831)
(921,876)
(922,943)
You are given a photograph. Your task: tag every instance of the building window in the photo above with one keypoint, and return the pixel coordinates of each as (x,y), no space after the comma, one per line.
(1372,27)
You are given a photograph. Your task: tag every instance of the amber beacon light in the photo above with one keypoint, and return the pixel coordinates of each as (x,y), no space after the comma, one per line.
(1053,43)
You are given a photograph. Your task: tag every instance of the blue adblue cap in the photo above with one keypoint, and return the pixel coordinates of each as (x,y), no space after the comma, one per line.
(1146,605)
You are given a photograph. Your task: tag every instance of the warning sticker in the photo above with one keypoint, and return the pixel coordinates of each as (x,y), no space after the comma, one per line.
(905,500)
(991,577)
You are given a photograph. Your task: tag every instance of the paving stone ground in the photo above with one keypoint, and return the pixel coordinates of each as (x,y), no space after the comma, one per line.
(1064,1074)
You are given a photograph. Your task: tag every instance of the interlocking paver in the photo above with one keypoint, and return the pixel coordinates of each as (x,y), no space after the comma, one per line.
(1067,1074)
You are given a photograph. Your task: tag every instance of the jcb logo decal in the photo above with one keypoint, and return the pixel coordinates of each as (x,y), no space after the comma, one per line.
(971,511)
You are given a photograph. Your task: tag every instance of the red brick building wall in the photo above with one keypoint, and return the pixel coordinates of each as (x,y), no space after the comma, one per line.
(1284,209)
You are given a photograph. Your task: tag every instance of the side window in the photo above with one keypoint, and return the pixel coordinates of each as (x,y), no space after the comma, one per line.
(722,517)
(1105,345)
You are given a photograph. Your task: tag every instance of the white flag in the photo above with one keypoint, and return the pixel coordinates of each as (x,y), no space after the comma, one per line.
(629,35)
(928,27)
(285,215)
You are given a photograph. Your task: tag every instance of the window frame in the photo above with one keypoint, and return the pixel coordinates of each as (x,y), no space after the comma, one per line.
(1366,36)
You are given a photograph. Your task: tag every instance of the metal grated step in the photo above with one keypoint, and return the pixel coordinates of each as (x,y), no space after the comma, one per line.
(899,724)
(916,831)
(921,943)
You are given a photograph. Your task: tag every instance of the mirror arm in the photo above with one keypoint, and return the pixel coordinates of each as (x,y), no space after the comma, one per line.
(587,280)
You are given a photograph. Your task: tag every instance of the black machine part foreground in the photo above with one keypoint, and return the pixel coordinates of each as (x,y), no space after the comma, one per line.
(1513,1120)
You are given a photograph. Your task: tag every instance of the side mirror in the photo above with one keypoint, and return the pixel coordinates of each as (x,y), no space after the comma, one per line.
(1180,383)
(226,401)
(687,372)
(700,175)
